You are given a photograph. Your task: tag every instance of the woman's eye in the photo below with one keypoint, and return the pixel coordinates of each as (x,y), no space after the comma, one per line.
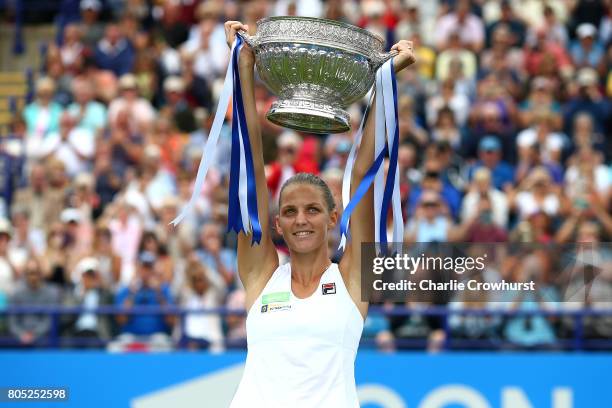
(313,210)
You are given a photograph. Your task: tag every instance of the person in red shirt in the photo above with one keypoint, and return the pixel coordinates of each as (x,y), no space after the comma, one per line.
(288,162)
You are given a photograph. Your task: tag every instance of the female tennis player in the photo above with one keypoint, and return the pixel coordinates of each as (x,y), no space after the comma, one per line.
(305,317)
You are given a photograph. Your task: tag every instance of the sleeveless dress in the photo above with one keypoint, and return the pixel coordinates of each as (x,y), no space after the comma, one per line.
(301,352)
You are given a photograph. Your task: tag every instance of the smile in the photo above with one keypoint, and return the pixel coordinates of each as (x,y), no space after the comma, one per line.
(302,233)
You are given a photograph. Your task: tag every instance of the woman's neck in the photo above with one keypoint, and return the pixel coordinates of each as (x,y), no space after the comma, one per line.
(306,268)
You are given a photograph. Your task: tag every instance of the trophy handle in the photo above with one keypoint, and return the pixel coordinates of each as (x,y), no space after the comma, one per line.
(250,40)
(382,57)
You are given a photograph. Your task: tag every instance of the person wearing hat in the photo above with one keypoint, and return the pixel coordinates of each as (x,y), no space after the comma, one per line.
(146,289)
(588,100)
(42,116)
(587,51)
(114,52)
(177,106)
(490,156)
(93,29)
(139,111)
(89,292)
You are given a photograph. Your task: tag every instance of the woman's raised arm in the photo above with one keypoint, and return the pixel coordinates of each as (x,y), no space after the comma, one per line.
(362,219)
(257,262)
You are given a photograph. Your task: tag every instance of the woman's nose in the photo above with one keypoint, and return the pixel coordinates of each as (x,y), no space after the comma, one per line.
(301,217)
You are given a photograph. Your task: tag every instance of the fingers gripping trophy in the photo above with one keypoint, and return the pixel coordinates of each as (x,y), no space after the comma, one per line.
(305,317)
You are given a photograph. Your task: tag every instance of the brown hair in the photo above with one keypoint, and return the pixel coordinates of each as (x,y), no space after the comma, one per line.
(307,178)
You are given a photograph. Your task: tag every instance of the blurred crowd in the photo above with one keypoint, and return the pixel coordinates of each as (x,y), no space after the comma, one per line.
(505,136)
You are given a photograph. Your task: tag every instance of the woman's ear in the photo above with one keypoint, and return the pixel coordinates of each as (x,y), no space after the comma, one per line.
(277,225)
(333,219)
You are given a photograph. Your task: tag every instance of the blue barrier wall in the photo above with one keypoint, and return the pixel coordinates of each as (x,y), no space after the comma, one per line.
(403,380)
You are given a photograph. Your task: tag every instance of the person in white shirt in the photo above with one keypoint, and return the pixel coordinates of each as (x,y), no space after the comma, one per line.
(305,318)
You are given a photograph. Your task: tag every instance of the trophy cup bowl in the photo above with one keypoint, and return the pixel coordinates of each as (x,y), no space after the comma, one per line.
(316,67)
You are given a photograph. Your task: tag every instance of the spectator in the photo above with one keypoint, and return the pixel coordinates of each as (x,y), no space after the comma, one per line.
(480,188)
(146,289)
(108,263)
(550,144)
(173,31)
(9,275)
(90,113)
(140,113)
(458,103)
(411,24)
(126,228)
(71,145)
(540,51)
(531,330)
(483,227)
(92,29)
(541,98)
(12,163)
(286,164)
(432,223)
(72,50)
(536,193)
(456,53)
(409,128)
(489,154)
(114,52)
(90,293)
(508,19)
(43,115)
(204,290)
(587,51)
(503,50)
(220,261)
(589,100)
(177,106)
(557,32)
(26,241)
(210,59)
(236,322)
(469,27)
(30,329)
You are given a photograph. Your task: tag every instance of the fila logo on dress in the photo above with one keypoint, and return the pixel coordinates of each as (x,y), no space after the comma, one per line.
(329,288)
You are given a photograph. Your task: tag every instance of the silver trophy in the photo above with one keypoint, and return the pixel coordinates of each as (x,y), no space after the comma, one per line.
(316,67)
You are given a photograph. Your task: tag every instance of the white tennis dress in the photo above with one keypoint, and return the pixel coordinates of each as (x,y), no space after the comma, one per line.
(301,351)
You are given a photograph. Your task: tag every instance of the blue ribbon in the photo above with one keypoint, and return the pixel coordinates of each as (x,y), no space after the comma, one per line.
(240,131)
(234,217)
(390,182)
(364,185)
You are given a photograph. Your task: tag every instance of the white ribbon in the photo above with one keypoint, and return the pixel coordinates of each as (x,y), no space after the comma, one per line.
(398,221)
(210,149)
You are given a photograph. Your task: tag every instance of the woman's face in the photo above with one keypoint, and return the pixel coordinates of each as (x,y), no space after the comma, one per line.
(303,218)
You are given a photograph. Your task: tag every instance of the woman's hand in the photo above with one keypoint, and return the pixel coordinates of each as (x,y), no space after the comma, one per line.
(405,56)
(247,57)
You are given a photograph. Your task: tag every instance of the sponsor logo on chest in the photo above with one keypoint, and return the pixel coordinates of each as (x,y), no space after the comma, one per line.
(275,302)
